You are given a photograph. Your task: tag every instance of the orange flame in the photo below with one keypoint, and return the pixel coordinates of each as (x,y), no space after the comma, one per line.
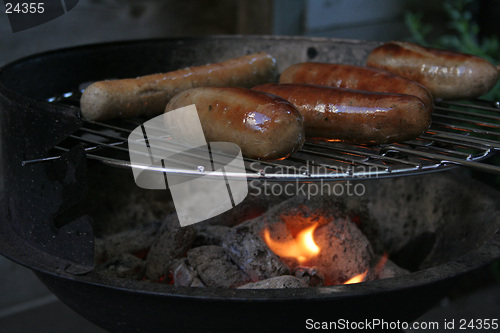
(357,279)
(378,268)
(301,247)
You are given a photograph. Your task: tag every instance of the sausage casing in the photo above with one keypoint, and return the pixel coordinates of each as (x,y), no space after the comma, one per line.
(447,74)
(148,95)
(355,77)
(339,114)
(265,127)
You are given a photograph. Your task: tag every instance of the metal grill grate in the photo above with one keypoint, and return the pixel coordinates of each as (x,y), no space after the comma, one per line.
(462,133)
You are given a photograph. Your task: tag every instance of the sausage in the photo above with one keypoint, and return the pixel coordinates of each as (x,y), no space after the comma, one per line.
(338,114)
(355,77)
(448,75)
(148,95)
(265,127)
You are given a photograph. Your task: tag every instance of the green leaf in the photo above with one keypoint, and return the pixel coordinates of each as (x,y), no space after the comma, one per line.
(462,37)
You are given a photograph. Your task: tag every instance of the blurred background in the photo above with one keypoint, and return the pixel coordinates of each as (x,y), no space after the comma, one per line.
(467,26)
(457,23)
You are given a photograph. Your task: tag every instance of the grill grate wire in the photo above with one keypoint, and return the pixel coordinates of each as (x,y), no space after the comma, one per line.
(461,134)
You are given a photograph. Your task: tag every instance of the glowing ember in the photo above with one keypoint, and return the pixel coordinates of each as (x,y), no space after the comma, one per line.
(357,279)
(301,247)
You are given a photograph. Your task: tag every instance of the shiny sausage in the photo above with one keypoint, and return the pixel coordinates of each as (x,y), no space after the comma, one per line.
(353,116)
(148,95)
(355,77)
(448,75)
(265,127)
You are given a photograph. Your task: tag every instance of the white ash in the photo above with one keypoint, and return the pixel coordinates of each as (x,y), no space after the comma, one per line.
(132,241)
(214,267)
(124,265)
(183,273)
(197,283)
(171,242)
(252,255)
(210,235)
(279,282)
(390,270)
(310,275)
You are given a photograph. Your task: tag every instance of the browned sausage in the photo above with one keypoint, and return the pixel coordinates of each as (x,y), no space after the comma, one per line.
(448,75)
(353,116)
(148,95)
(355,77)
(265,127)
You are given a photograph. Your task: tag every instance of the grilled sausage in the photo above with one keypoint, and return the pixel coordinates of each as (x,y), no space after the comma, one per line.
(355,77)
(148,95)
(352,116)
(265,127)
(448,75)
